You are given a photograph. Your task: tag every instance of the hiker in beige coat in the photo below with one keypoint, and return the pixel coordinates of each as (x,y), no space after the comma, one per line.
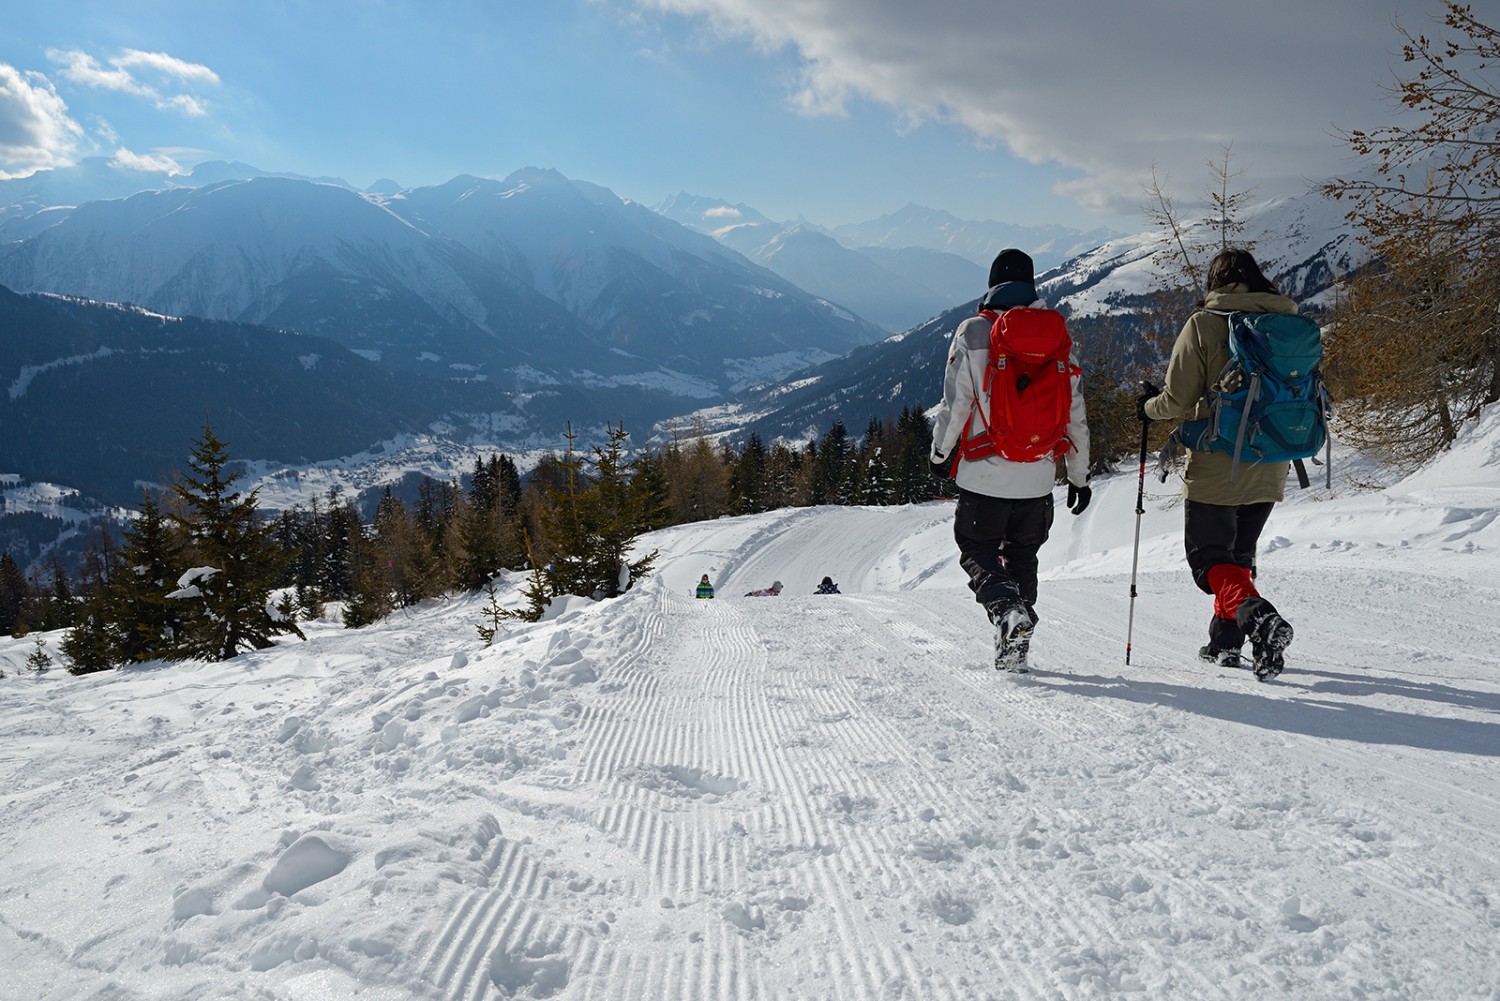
(1224,515)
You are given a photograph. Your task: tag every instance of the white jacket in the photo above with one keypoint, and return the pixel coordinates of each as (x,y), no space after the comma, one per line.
(963,390)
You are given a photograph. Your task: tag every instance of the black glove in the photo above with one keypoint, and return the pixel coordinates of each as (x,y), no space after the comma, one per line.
(1079,497)
(1148,393)
(940,470)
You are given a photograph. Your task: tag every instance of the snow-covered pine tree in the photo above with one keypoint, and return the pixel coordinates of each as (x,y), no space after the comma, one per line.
(237,564)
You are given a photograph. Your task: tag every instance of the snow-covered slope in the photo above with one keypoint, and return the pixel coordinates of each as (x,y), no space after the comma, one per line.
(1303,244)
(826,797)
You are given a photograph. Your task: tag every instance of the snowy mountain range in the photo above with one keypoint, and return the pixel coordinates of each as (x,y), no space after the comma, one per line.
(533,279)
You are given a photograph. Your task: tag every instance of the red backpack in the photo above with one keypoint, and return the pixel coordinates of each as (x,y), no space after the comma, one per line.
(1029,380)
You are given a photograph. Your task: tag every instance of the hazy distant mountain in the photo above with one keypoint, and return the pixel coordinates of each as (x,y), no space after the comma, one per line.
(652,289)
(892,292)
(978,242)
(954,278)
(58,190)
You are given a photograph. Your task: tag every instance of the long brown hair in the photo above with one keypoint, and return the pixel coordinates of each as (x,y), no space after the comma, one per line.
(1237,266)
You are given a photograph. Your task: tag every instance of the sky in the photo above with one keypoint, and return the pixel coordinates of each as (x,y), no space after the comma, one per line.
(836,111)
(830,797)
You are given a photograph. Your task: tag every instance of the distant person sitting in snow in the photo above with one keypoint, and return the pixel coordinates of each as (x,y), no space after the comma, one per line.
(827,587)
(768,592)
(705,589)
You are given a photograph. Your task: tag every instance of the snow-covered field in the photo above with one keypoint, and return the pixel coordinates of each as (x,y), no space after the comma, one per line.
(803,797)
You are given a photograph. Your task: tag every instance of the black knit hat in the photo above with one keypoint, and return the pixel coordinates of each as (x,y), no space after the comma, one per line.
(1011,266)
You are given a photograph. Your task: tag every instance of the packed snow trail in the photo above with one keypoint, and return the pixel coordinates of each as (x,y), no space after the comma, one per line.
(802,797)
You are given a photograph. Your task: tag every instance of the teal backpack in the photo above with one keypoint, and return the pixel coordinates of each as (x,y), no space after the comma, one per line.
(1269,404)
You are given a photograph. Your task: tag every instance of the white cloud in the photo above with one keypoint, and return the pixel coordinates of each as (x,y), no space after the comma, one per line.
(1098,88)
(149,163)
(185,103)
(105,131)
(36,130)
(124,74)
(167,65)
(82,68)
(722,212)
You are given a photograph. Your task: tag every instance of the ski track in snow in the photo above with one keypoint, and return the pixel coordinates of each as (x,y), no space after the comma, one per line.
(802,797)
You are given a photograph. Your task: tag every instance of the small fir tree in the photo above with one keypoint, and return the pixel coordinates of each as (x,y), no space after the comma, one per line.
(227,609)
(492,614)
(39,660)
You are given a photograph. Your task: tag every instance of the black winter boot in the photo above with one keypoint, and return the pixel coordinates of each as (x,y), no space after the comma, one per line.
(1225,638)
(1013,629)
(1269,635)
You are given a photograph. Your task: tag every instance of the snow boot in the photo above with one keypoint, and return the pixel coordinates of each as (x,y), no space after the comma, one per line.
(1269,635)
(1225,638)
(1013,628)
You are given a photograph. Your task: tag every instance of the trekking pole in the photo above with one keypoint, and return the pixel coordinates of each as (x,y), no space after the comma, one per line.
(1135,554)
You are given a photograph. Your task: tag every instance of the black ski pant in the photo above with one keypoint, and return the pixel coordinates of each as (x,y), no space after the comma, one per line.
(1225,536)
(998,539)
(1222,533)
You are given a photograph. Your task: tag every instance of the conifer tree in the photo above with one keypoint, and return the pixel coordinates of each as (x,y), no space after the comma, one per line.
(13,593)
(226,599)
(147,622)
(59,607)
(370,594)
(334,579)
(566,533)
(92,644)
(491,614)
(649,491)
(782,464)
(411,573)
(612,517)
(913,480)
(747,481)
(699,480)
(488,525)
(39,659)
(834,454)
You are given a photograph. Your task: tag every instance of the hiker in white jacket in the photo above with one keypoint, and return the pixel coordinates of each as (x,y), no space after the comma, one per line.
(1004,508)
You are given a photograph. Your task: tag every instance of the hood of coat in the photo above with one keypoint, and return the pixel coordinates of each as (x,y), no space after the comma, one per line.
(1007,295)
(1234,298)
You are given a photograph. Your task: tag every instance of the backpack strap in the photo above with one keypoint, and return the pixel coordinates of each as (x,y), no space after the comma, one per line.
(1239,437)
(1302,480)
(976,407)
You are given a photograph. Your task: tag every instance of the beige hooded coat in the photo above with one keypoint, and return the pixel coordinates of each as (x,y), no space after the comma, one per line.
(1200,354)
